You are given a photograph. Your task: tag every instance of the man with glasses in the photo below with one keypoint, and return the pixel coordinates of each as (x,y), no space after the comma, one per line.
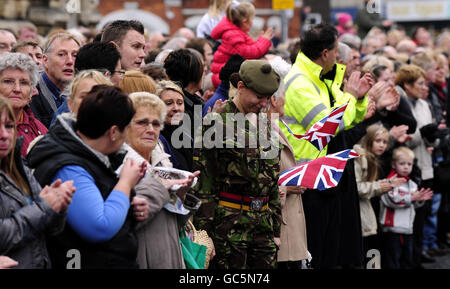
(59,56)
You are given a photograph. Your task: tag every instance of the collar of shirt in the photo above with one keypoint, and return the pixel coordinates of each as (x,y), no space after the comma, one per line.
(56,93)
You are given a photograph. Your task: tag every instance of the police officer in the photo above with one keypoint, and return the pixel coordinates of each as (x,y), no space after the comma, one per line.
(238,182)
(313,90)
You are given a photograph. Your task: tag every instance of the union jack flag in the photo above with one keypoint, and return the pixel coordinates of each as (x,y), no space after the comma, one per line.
(322,173)
(322,131)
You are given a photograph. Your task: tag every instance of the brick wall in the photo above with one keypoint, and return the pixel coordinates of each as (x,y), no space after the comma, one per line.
(157,7)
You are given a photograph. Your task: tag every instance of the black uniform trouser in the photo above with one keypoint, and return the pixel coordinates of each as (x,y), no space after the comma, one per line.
(419,221)
(322,216)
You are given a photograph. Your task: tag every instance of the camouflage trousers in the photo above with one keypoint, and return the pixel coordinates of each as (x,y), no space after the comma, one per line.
(244,240)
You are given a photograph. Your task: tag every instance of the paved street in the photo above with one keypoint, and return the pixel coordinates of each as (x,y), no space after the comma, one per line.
(441,263)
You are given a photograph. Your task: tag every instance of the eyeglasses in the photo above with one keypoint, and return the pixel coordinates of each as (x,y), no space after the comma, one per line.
(121,72)
(11,83)
(145,122)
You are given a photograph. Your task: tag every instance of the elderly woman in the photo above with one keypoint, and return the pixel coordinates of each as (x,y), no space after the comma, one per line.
(18,77)
(134,81)
(397,117)
(27,212)
(238,181)
(99,220)
(80,87)
(412,79)
(173,97)
(293,246)
(158,236)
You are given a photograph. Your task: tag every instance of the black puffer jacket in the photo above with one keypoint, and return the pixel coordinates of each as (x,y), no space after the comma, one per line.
(61,147)
(23,226)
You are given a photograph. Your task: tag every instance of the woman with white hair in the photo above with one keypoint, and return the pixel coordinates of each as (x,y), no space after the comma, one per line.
(18,78)
(158,236)
(293,246)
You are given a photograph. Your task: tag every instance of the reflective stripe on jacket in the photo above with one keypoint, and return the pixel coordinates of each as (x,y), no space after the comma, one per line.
(308,101)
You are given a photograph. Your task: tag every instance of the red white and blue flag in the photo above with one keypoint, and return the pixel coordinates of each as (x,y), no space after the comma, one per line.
(320,134)
(322,173)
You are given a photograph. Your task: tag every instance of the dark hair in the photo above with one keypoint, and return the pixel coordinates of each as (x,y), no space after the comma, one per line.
(155,71)
(97,55)
(198,44)
(24,44)
(103,107)
(184,66)
(235,78)
(116,30)
(293,49)
(151,55)
(377,70)
(232,65)
(98,37)
(318,38)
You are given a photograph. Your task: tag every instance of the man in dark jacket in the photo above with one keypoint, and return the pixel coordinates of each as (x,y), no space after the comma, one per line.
(59,56)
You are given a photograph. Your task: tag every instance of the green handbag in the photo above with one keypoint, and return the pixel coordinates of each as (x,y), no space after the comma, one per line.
(194,255)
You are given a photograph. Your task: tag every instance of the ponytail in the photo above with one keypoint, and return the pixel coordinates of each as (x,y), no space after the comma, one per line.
(237,12)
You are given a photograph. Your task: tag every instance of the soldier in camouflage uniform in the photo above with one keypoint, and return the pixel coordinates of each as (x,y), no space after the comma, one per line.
(238,182)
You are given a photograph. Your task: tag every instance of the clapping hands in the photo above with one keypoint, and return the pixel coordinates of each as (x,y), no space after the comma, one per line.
(58,195)
(422,195)
(384,95)
(358,87)
(400,133)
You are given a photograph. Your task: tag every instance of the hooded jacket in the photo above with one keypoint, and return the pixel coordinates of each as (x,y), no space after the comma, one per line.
(234,41)
(62,147)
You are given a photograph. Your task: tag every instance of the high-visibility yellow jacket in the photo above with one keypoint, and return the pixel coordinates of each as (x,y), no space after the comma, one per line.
(308,101)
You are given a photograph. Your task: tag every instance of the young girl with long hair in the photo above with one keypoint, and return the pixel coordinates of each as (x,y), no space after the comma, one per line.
(371,147)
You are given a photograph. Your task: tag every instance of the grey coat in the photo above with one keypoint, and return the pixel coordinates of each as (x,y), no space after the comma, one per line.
(158,236)
(23,226)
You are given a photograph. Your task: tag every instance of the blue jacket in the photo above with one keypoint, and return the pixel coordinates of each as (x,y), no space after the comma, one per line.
(221,93)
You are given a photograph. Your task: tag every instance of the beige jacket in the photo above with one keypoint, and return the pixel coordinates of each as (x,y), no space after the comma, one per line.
(366,191)
(293,228)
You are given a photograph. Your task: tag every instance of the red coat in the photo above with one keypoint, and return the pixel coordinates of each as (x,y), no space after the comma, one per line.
(29,128)
(234,41)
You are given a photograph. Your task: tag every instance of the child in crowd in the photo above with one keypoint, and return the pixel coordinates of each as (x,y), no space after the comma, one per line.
(345,24)
(233,30)
(397,212)
(371,147)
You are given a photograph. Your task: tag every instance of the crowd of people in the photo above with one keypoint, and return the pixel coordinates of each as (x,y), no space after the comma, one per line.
(86,118)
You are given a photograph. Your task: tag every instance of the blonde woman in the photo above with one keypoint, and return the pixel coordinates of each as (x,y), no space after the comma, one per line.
(134,81)
(216,11)
(80,86)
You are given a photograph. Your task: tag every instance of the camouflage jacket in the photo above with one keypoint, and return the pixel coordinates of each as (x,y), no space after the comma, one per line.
(237,159)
